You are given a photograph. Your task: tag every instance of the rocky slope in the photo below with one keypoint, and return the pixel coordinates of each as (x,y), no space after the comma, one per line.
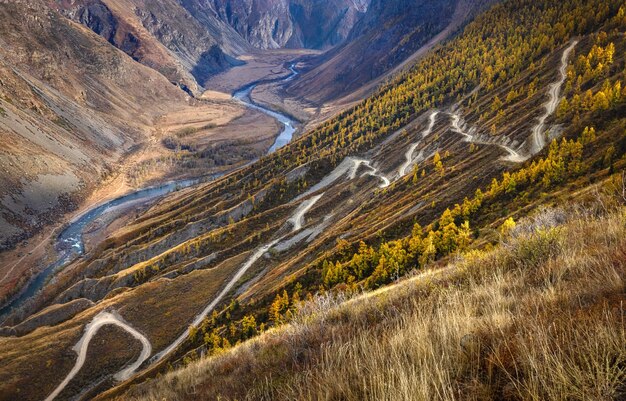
(387,34)
(271,24)
(60,130)
(187,45)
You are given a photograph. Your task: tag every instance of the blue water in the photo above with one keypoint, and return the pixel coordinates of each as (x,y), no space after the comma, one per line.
(70,242)
(72,236)
(288,130)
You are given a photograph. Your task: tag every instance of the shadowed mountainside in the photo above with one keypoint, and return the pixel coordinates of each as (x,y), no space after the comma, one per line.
(186,46)
(312,24)
(389,33)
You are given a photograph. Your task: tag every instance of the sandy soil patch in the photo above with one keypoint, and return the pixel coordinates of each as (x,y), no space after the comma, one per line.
(269,65)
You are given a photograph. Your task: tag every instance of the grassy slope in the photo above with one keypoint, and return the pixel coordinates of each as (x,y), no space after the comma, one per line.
(539,317)
(193,218)
(52,346)
(201,205)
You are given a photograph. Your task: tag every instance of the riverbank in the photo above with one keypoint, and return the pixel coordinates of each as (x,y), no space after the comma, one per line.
(149,164)
(69,242)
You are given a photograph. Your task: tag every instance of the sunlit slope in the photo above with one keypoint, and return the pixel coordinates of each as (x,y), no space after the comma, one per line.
(60,131)
(311,203)
(538,317)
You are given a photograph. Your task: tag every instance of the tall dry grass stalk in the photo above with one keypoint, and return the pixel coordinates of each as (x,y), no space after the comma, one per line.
(539,318)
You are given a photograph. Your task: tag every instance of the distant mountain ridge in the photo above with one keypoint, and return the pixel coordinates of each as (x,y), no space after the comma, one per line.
(270,24)
(390,32)
(188,41)
(187,48)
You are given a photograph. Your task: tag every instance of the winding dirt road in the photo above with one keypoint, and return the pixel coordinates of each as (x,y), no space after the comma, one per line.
(538,138)
(103,319)
(373,171)
(297,220)
(242,270)
(538,141)
(457,126)
(348,168)
(403,170)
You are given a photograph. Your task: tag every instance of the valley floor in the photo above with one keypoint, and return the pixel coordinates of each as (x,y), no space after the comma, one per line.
(216,121)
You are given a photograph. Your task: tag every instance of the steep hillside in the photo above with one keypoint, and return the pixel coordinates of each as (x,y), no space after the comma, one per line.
(271,24)
(387,34)
(185,42)
(390,36)
(59,130)
(491,325)
(81,123)
(427,168)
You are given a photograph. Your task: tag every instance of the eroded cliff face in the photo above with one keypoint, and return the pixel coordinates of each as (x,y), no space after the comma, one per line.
(187,47)
(269,24)
(189,41)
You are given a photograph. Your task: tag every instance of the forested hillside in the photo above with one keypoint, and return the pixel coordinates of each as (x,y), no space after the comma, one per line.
(491,71)
(500,324)
(522,109)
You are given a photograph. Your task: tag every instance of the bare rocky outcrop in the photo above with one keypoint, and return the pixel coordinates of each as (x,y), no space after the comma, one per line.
(186,47)
(313,24)
(96,289)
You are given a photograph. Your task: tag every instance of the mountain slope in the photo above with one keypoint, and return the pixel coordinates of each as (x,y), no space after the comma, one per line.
(83,123)
(491,325)
(384,37)
(334,211)
(312,24)
(61,130)
(185,46)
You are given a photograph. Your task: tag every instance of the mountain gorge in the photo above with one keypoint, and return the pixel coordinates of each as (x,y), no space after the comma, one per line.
(58,126)
(292,23)
(454,231)
(185,47)
(389,36)
(204,38)
(370,51)
(185,43)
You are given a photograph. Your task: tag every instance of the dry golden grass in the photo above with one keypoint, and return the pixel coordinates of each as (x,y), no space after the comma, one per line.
(541,317)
